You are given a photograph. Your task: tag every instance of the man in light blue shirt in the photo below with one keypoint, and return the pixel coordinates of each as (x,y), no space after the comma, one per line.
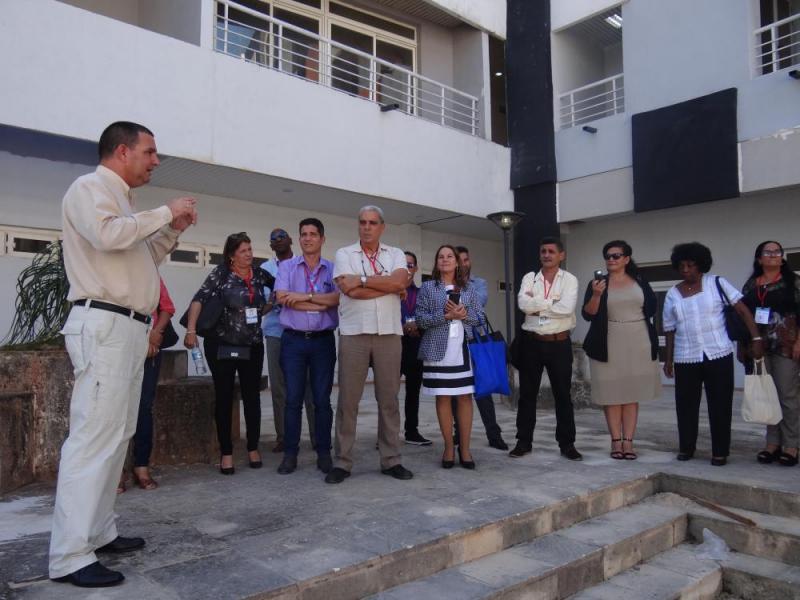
(281,245)
(485,403)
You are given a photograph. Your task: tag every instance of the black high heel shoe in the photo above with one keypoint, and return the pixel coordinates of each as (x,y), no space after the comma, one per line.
(467,464)
(448,464)
(226,470)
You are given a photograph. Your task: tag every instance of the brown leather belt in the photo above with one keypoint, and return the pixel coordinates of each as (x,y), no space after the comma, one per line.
(549,337)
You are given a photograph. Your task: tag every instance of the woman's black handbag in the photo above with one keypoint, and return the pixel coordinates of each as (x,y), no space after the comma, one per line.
(208,318)
(170,337)
(737,331)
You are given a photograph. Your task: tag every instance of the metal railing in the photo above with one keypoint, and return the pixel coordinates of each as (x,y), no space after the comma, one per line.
(278,45)
(593,101)
(777,45)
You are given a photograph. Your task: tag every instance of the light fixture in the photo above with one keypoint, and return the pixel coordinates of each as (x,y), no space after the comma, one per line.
(589,129)
(794,73)
(614,20)
(498,74)
(390,106)
(506,220)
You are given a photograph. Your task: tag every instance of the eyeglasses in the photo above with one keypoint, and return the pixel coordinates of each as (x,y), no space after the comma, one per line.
(278,236)
(772,253)
(614,256)
(411,265)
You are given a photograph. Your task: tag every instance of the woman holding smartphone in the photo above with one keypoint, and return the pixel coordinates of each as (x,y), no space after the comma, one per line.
(447,309)
(622,345)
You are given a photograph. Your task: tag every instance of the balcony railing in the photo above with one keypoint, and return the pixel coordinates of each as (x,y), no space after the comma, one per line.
(590,102)
(296,51)
(777,45)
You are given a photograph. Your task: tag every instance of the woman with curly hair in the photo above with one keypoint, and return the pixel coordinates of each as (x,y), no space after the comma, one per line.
(772,293)
(699,351)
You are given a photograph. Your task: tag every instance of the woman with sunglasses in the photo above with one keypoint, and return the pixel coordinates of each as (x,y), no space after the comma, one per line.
(447,310)
(237,345)
(772,293)
(622,345)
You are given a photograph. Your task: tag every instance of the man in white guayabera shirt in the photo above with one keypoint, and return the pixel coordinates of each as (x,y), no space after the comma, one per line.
(111,255)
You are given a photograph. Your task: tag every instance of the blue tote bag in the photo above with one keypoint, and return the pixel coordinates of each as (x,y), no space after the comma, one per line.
(489,364)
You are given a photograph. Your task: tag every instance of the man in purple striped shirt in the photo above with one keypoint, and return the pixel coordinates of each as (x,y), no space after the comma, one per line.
(309,296)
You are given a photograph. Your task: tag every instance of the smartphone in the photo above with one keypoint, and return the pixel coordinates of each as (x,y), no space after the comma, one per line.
(598,275)
(455,297)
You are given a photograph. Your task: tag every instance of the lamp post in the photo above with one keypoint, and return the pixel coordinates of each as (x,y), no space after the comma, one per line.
(506,221)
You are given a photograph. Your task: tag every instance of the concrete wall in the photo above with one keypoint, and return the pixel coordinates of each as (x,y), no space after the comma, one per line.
(253,119)
(730,228)
(435,53)
(180,19)
(563,14)
(471,70)
(488,15)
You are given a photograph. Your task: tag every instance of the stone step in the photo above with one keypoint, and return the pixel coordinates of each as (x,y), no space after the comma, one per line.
(773,537)
(559,564)
(754,578)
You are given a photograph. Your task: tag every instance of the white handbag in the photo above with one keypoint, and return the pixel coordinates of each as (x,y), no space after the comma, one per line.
(761,404)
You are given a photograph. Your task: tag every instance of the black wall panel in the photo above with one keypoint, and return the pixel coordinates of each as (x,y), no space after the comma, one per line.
(686,153)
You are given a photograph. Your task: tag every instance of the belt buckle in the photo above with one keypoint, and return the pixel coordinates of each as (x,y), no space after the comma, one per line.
(308,334)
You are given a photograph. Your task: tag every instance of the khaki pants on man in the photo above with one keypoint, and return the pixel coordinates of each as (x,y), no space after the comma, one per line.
(356,353)
(107,351)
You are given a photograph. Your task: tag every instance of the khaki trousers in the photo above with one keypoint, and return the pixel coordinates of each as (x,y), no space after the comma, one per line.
(107,351)
(356,352)
(786,375)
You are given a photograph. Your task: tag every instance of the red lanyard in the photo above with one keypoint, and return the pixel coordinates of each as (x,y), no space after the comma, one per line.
(312,283)
(373,260)
(761,290)
(248,281)
(547,287)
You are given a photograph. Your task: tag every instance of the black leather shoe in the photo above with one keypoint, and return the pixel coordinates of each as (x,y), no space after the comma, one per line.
(571,453)
(288,464)
(325,463)
(467,464)
(498,443)
(337,475)
(520,450)
(719,462)
(94,575)
(687,455)
(398,472)
(122,544)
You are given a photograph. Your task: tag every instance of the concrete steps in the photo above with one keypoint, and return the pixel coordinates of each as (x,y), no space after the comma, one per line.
(559,564)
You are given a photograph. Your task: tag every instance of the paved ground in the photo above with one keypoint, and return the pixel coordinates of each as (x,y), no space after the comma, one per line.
(210,536)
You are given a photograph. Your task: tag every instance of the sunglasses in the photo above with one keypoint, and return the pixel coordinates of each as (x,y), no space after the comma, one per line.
(276,237)
(411,265)
(614,255)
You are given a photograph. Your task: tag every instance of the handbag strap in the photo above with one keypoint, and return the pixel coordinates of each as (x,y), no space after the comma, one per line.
(722,293)
(759,367)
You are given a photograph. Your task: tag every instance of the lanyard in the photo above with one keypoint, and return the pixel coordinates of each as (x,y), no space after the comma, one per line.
(547,287)
(248,281)
(312,283)
(761,290)
(373,260)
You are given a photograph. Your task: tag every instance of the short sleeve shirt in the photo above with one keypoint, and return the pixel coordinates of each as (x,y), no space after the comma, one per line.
(378,315)
(698,321)
(270,324)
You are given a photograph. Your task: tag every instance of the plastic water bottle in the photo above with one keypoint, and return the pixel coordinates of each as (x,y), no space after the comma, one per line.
(197,359)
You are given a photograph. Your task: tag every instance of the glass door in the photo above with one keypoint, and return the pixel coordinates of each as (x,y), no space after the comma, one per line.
(295,52)
(393,85)
(351,72)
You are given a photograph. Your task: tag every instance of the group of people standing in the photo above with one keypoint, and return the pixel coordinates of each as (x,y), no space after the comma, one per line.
(385,323)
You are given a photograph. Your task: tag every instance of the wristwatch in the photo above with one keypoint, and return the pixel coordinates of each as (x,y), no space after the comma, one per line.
(310,296)
(363,281)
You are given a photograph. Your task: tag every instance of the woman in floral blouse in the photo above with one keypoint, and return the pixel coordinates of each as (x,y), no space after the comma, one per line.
(237,345)
(772,293)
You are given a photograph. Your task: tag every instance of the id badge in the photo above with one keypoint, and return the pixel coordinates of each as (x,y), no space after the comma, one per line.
(453,329)
(543,320)
(251,315)
(762,315)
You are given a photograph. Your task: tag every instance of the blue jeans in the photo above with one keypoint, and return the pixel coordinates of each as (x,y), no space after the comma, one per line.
(311,359)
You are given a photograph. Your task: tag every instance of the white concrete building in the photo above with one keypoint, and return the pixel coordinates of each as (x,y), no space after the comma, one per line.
(267,111)
(612,61)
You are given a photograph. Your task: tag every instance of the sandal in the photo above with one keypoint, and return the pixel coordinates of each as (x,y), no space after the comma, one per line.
(145,483)
(787,460)
(121,488)
(629,455)
(616,454)
(766,457)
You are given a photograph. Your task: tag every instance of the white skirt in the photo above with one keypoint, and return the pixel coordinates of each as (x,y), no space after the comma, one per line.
(451,376)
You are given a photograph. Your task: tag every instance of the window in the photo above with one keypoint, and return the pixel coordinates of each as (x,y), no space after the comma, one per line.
(27,242)
(372,21)
(778,38)
(793,258)
(191,256)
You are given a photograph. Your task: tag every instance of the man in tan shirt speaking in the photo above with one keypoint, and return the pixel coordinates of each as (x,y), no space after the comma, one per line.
(111,255)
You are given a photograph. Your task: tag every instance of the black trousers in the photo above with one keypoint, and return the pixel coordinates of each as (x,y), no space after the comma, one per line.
(224,374)
(717,377)
(143,438)
(486,409)
(556,357)
(411,367)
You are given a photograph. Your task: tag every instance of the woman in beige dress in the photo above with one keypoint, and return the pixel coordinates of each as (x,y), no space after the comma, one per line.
(622,344)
